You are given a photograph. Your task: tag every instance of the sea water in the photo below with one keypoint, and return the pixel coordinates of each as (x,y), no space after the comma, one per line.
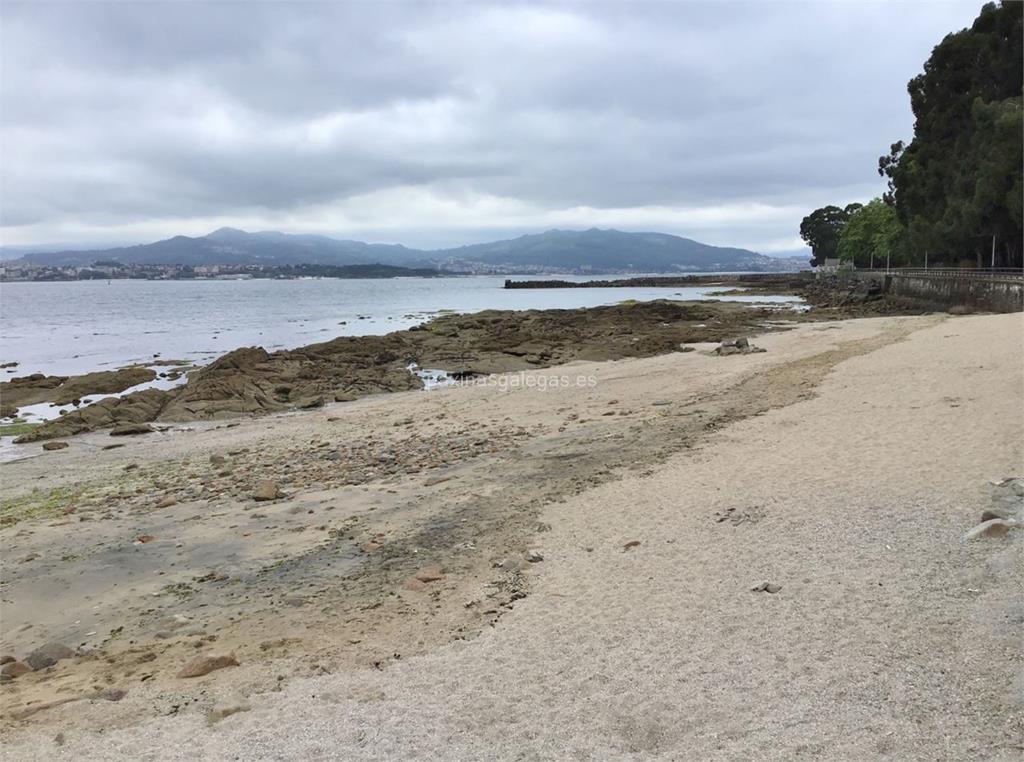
(74,327)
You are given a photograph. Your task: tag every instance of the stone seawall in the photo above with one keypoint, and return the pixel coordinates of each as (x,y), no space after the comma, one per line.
(981,293)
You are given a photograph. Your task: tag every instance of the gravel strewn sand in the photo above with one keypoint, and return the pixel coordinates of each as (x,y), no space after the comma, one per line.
(890,636)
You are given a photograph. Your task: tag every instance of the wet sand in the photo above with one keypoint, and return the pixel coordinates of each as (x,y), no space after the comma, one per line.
(844,464)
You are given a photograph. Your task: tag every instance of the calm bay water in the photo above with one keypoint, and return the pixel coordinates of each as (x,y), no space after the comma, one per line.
(82,326)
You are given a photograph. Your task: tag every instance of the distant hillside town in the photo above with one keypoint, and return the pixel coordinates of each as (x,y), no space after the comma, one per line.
(27,271)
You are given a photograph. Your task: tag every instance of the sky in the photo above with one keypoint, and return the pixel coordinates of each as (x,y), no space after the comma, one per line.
(437,124)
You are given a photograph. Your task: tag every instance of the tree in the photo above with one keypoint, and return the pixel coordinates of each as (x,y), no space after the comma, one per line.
(957,183)
(822,228)
(873,236)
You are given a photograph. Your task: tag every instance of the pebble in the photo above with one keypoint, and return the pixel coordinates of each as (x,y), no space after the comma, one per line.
(266,490)
(204,665)
(429,574)
(766,587)
(112,694)
(226,710)
(55,445)
(533,556)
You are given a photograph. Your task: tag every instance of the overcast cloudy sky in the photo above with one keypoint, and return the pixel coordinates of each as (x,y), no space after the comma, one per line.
(437,124)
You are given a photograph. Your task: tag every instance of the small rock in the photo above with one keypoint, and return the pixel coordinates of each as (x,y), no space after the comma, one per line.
(631,544)
(48,655)
(145,538)
(766,587)
(55,445)
(131,429)
(533,556)
(13,669)
(659,403)
(429,574)
(112,694)
(217,460)
(991,528)
(167,502)
(737,347)
(204,665)
(226,710)
(996,513)
(266,490)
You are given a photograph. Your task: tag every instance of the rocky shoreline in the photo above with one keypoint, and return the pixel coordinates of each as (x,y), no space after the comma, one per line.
(252,381)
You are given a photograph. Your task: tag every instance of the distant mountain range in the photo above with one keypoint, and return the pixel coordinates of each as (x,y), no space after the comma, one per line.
(597,251)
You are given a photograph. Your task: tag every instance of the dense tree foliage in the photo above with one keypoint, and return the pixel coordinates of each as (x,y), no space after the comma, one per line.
(822,228)
(957,184)
(873,237)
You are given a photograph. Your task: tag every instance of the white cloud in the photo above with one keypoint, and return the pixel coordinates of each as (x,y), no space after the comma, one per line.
(435,124)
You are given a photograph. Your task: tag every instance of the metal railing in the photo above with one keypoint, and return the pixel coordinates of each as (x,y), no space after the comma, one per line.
(960,273)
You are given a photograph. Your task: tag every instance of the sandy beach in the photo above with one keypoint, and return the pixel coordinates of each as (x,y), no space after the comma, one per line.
(539,573)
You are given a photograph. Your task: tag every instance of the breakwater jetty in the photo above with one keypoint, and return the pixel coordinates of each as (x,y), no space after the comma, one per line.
(987,290)
(672,281)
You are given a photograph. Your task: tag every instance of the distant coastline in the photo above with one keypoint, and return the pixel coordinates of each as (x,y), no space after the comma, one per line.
(553,252)
(121,271)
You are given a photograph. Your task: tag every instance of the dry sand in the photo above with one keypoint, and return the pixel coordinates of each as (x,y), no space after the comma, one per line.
(845,464)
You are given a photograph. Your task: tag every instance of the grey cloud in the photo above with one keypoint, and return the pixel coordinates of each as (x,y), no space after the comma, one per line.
(156,114)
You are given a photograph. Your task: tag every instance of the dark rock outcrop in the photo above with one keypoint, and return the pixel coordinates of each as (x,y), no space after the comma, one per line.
(140,407)
(64,390)
(252,381)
